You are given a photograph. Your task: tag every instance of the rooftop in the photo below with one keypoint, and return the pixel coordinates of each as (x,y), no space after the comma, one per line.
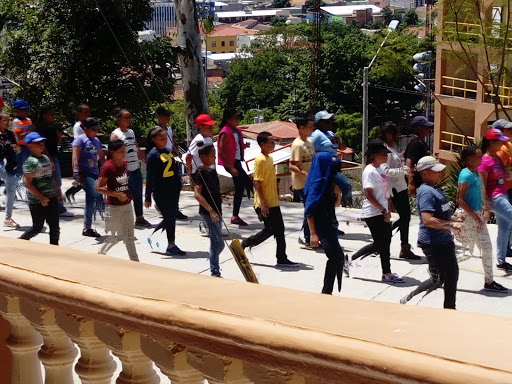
(232,31)
(348,10)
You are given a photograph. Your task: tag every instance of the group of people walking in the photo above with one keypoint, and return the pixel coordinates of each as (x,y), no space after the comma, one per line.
(113,179)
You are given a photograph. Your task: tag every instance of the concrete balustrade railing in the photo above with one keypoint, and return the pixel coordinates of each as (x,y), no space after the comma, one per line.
(62,303)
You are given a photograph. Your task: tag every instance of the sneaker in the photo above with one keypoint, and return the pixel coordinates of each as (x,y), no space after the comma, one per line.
(66,213)
(340,232)
(90,232)
(142,222)
(403,300)
(495,287)
(10,223)
(505,267)
(406,253)
(347,265)
(175,251)
(393,278)
(287,264)
(181,216)
(238,221)
(304,242)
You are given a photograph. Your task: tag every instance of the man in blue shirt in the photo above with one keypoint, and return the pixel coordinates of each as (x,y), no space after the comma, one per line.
(324,141)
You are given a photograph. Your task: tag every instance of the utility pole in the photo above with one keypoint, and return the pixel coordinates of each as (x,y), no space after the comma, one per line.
(391,27)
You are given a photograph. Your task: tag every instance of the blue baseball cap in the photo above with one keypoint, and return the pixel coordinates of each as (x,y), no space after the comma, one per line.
(20,104)
(323,115)
(34,137)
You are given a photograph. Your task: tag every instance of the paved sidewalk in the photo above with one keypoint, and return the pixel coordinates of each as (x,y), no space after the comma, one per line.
(365,276)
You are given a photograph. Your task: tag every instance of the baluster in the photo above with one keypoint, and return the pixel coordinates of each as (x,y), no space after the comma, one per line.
(58,353)
(262,374)
(171,358)
(24,343)
(137,368)
(218,369)
(95,365)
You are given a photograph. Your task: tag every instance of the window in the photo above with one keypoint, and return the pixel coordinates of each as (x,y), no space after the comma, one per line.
(214,43)
(231,43)
(223,43)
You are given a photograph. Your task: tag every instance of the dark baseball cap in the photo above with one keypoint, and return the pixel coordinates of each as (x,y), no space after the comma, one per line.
(91,123)
(377,146)
(421,121)
(20,104)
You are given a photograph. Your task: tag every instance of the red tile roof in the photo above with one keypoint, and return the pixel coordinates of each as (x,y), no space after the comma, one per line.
(279,129)
(232,31)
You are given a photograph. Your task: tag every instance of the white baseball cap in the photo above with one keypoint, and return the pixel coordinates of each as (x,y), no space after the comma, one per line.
(429,162)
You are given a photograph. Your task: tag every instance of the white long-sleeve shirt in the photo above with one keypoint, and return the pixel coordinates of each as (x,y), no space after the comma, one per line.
(395,170)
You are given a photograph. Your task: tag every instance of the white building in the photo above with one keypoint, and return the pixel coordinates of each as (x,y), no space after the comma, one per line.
(164,16)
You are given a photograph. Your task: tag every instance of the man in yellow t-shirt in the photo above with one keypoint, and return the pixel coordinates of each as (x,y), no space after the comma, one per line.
(266,202)
(301,157)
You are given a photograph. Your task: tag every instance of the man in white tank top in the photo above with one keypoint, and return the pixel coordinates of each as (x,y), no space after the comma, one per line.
(133,157)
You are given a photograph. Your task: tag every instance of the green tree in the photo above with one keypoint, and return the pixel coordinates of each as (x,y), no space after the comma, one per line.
(410,17)
(281,3)
(65,52)
(387,14)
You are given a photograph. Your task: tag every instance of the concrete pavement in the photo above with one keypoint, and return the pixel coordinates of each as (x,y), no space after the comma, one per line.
(365,275)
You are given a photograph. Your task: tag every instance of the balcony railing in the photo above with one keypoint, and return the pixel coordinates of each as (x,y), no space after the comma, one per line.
(505,94)
(453,141)
(61,302)
(455,86)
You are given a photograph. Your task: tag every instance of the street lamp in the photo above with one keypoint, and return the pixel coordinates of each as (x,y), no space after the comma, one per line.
(423,64)
(391,27)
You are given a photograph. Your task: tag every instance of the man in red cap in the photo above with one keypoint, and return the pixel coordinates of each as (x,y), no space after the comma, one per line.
(205,124)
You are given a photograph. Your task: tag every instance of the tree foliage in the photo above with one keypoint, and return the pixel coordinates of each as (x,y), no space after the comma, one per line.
(277,78)
(63,52)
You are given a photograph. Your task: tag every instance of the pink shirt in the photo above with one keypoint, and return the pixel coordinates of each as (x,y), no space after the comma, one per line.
(495,176)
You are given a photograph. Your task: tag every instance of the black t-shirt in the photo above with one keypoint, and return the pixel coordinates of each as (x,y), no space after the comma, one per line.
(209,180)
(415,150)
(52,138)
(7,152)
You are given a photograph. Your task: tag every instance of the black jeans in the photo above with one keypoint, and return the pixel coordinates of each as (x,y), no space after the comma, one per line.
(40,214)
(401,203)
(273,226)
(242,182)
(381,233)
(328,236)
(443,269)
(167,202)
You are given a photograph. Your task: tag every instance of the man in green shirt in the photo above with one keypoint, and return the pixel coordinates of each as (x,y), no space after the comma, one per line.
(42,191)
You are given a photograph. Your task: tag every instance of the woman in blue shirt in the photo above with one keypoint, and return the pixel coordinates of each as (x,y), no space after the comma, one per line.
(434,236)
(474,231)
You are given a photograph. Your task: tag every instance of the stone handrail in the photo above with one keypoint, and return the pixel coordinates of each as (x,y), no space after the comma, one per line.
(195,327)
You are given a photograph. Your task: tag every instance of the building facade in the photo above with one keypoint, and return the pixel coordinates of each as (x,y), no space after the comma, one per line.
(468,61)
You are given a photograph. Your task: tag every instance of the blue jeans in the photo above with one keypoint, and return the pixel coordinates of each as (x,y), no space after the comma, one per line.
(10,189)
(216,243)
(345,185)
(21,157)
(503,211)
(305,225)
(135,187)
(93,199)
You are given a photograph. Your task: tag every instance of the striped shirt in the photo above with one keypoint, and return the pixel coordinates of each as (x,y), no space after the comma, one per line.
(21,126)
(131,156)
